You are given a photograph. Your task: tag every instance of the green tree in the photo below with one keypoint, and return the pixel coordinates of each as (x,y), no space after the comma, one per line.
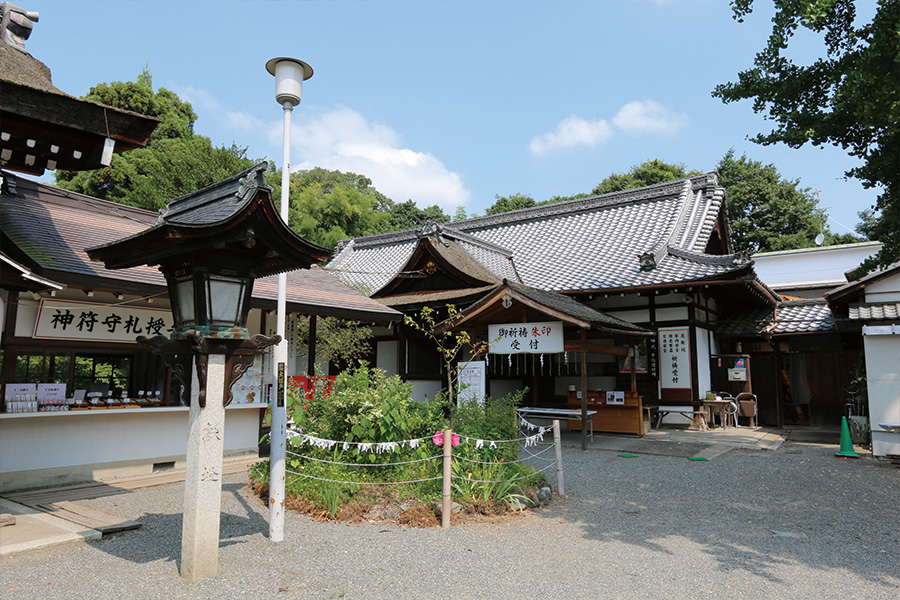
(176,161)
(647,173)
(769,213)
(407,215)
(329,206)
(849,98)
(504,204)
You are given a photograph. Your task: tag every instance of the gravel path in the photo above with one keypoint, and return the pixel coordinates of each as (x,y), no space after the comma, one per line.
(793,523)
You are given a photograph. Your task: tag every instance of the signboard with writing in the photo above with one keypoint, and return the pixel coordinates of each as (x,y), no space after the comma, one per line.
(51,391)
(16,390)
(674,357)
(526,338)
(471,381)
(82,321)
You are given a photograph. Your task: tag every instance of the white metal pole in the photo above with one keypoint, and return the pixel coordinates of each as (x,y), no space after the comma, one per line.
(279,411)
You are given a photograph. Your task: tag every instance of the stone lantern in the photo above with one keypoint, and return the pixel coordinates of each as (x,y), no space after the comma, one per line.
(210,246)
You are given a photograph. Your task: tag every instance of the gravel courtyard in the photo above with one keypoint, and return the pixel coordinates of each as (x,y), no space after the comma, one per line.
(791,523)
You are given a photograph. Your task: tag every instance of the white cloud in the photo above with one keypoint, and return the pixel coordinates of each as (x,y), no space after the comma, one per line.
(571,131)
(649,117)
(634,118)
(343,139)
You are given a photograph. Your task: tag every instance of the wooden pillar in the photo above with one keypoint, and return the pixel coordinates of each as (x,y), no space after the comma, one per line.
(584,417)
(311,350)
(779,398)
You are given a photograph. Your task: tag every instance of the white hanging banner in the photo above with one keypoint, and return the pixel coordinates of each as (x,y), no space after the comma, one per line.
(674,358)
(68,320)
(526,338)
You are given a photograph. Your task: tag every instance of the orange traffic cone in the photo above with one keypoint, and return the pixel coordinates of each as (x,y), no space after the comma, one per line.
(846,450)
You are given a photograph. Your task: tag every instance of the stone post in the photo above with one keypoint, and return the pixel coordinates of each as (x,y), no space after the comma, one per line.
(203,474)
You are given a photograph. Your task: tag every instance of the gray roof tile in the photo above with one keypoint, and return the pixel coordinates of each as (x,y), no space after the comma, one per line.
(584,244)
(888,311)
(791,317)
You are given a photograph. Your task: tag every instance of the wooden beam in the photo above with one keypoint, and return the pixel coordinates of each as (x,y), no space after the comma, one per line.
(595,348)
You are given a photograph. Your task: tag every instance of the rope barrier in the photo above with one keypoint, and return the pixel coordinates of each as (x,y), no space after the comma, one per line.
(508,462)
(502,480)
(346,464)
(363,482)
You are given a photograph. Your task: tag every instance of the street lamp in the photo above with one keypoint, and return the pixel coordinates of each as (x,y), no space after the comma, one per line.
(290,74)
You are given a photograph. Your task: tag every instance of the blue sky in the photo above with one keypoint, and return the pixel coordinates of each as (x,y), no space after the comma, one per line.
(452,103)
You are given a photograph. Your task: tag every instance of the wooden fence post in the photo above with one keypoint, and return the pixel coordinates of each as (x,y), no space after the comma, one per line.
(557,446)
(448,459)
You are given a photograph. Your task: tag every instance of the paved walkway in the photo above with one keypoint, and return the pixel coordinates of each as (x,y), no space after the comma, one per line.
(793,522)
(35,528)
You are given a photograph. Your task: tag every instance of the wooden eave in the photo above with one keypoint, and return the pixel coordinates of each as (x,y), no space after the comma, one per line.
(468,276)
(490,310)
(48,126)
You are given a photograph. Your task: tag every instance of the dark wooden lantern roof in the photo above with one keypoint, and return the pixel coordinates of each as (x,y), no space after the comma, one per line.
(43,128)
(232,225)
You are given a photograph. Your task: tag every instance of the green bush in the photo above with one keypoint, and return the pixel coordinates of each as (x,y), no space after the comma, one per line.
(367,406)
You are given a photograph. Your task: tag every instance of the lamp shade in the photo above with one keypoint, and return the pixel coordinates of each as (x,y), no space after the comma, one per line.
(290,74)
(213,303)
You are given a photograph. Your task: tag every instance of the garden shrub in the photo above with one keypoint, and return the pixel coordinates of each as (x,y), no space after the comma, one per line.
(367,406)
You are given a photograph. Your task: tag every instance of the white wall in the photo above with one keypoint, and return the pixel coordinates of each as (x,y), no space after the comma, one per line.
(84,443)
(882,348)
(386,356)
(424,390)
(885,290)
(811,266)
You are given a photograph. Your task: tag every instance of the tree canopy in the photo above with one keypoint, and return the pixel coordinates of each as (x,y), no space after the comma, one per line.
(646,173)
(406,215)
(769,213)
(849,98)
(504,204)
(175,161)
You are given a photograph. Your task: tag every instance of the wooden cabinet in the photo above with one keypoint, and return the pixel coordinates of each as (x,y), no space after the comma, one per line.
(610,418)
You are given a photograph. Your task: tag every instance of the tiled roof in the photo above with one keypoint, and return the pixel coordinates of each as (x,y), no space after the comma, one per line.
(584,244)
(216,202)
(791,317)
(47,228)
(888,311)
(804,316)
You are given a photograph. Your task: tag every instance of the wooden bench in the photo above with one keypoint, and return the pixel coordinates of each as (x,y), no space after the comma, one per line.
(695,416)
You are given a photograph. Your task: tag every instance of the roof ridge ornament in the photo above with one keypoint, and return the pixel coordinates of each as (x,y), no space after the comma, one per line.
(431,228)
(254,179)
(16,25)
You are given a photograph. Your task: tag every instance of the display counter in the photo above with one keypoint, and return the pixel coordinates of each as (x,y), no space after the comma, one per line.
(627,417)
(53,448)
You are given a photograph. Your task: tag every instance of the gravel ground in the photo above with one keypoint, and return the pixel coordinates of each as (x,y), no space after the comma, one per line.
(792,523)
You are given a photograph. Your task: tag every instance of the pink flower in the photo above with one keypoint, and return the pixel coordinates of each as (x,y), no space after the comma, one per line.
(438,439)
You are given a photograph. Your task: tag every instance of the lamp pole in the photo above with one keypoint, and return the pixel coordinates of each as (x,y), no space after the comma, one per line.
(290,74)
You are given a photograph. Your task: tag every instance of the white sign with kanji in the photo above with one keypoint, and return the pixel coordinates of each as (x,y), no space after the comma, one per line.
(471,381)
(526,338)
(70,320)
(674,357)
